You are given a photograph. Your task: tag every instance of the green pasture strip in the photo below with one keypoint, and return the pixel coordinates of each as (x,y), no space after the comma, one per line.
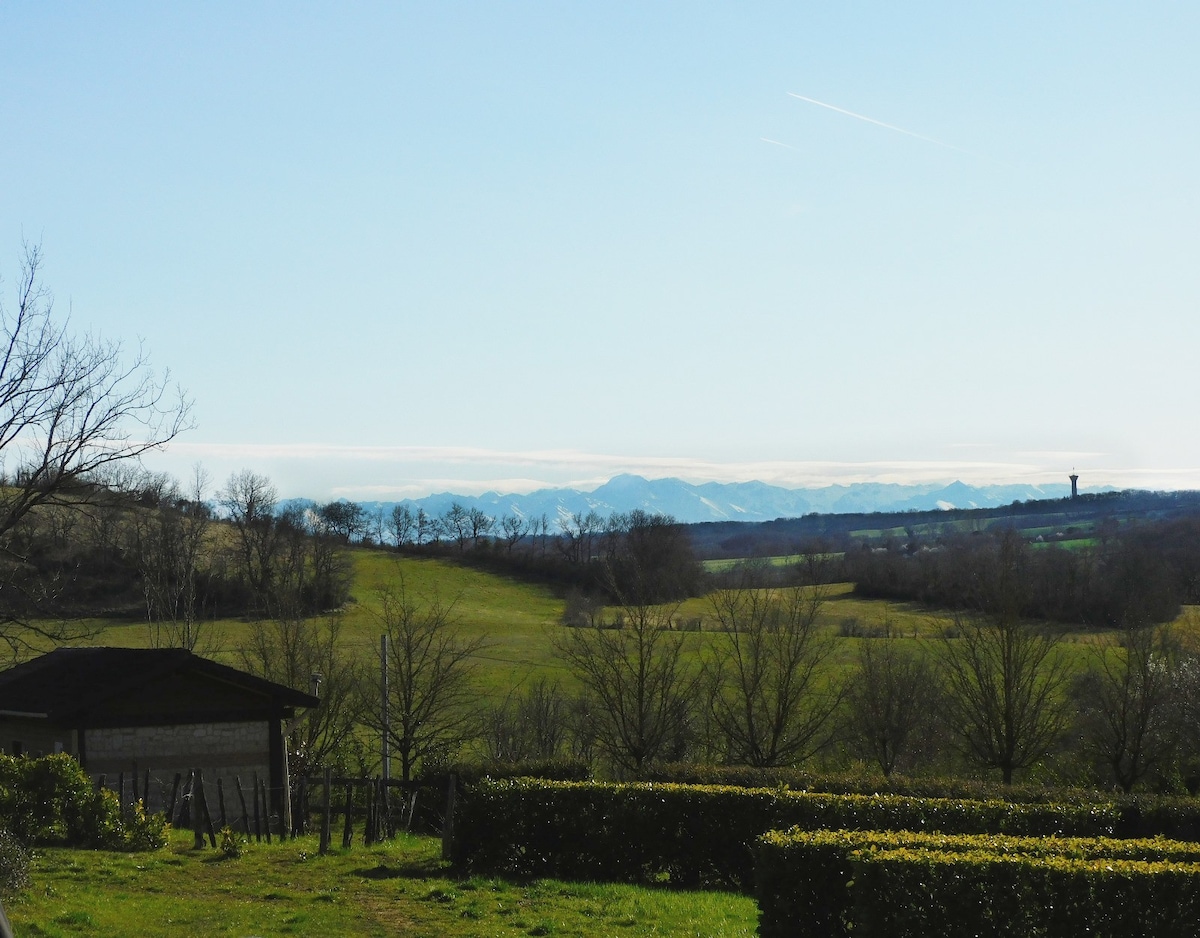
(783,560)
(1075,543)
(516,618)
(288,889)
(520,620)
(719,566)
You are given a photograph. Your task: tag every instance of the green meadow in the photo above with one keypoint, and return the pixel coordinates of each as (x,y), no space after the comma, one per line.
(518,620)
(401,887)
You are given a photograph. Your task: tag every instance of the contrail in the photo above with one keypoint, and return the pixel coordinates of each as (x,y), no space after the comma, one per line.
(786,146)
(871,120)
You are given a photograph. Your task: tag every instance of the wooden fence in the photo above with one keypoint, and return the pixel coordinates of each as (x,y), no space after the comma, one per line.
(384,807)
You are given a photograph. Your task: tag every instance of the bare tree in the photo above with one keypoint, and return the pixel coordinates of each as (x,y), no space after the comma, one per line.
(74,410)
(432,699)
(891,701)
(170,551)
(579,533)
(426,528)
(402,524)
(771,699)
(641,692)
(1127,704)
(377,525)
(249,500)
(480,524)
(531,723)
(457,524)
(1005,681)
(311,655)
(71,407)
(539,527)
(1004,677)
(344,519)
(514,527)
(292,564)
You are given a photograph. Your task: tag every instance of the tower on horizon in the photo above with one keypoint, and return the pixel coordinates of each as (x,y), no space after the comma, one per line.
(1074,484)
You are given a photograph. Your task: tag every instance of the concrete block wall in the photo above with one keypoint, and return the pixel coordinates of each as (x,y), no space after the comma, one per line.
(229,751)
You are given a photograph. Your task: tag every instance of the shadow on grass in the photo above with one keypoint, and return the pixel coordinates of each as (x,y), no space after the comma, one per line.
(407,868)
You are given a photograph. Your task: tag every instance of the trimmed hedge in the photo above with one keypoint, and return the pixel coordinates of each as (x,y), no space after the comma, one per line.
(864,783)
(1141,815)
(703,835)
(557,770)
(931,895)
(813,882)
(918,894)
(430,815)
(905,894)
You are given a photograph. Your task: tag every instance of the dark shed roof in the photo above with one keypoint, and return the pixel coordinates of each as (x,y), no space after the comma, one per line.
(95,685)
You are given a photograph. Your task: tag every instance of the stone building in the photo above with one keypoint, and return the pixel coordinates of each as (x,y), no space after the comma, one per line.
(158,709)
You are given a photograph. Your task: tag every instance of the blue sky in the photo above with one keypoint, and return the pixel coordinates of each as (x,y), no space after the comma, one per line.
(399,248)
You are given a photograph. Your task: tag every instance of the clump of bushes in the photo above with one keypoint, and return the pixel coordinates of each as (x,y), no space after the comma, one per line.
(52,801)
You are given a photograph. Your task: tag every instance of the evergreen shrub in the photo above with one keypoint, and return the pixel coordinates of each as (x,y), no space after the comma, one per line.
(52,801)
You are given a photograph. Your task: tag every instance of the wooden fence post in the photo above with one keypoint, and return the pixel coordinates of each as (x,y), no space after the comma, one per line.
(174,797)
(257,822)
(221,802)
(412,809)
(347,829)
(369,824)
(266,808)
(237,780)
(185,800)
(326,811)
(197,818)
(300,818)
(201,806)
(448,826)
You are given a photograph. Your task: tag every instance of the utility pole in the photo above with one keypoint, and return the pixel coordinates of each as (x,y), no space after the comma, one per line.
(387,723)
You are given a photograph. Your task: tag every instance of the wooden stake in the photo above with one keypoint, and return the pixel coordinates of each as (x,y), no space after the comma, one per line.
(326,811)
(237,780)
(347,829)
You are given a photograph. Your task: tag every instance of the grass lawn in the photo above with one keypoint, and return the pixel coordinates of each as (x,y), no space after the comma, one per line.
(288,889)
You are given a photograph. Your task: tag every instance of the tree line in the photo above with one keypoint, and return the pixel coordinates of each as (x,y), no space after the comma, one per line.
(1133,574)
(596,555)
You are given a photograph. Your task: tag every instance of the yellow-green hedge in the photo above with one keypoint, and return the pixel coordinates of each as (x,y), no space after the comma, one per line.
(832,884)
(702,835)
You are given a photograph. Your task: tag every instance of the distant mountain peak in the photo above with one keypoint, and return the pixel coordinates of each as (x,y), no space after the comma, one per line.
(736,501)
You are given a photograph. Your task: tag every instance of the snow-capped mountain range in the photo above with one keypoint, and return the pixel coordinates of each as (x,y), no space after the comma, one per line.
(732,501)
